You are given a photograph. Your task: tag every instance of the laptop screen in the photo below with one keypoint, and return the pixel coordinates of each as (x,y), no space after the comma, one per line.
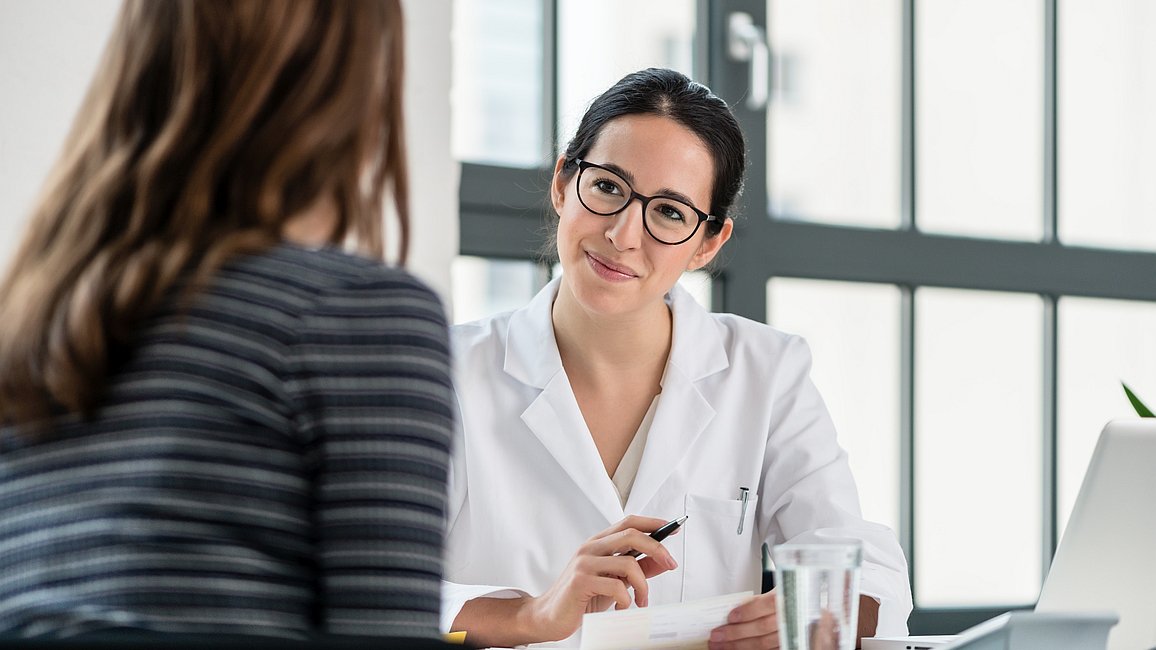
(1106,559)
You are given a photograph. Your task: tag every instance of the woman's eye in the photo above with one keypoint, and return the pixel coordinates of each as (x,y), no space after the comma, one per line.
(671,212)
(607,187)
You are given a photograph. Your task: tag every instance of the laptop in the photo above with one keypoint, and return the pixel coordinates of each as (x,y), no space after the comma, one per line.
(1106,559)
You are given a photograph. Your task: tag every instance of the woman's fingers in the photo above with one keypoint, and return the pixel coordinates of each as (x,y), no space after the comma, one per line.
(764,630)
(632,536)
(825,632)
(625,541)
(607,567)
(752,624)
(758,607)
(623,569)
(652,567)
(612,588)
(601,572)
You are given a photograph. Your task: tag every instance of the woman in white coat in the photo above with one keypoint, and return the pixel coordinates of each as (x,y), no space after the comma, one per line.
(613,403)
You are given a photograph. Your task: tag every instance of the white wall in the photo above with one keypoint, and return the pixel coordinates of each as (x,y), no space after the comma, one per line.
(434,172)
(49,48)
(48,51)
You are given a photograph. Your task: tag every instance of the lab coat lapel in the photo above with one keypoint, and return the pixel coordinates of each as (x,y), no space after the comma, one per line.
(556,420)
(553,416)
(683,412)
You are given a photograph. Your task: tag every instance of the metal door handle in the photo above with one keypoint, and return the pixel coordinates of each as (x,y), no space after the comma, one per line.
(747,42)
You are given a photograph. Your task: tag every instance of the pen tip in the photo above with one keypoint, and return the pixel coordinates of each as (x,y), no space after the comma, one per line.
(682,519)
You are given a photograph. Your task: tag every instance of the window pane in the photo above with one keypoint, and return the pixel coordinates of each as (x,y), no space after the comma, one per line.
(979,117)
(834,118)
(978,433)
(483,287)
(497,82)
(600,41)
(1101,343)
(853,330)
(1107,137)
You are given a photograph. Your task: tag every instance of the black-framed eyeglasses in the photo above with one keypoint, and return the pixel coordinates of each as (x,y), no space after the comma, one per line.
(668,220)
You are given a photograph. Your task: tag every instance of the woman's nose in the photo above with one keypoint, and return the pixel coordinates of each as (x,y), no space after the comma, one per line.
(625,229)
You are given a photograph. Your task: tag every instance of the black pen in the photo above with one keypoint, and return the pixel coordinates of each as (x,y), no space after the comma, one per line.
(662,533)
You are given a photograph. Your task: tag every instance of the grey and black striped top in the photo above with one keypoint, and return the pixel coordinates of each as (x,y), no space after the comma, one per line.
(271,461)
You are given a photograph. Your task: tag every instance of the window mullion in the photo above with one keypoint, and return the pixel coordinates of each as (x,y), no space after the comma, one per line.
(1050,440)
(1050,451)
(907,174)
(1051,100)
(550,78)
(907,431)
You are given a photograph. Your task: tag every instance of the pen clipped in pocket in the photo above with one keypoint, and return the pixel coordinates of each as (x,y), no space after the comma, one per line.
(718,559)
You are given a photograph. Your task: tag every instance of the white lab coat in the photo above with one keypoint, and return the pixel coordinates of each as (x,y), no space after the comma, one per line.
(737,409)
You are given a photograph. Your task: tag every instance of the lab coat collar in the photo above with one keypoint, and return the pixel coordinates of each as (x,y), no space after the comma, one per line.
(683,412)
(557,422)
(531,350)
(553,416)
(697,350)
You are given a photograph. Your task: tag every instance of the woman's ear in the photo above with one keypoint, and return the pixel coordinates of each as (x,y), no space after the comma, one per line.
(710,246)
(558,185)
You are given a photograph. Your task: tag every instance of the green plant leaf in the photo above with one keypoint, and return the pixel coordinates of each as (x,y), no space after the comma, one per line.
(1136,403)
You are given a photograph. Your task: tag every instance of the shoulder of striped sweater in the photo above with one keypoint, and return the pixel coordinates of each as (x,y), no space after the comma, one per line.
(332,268)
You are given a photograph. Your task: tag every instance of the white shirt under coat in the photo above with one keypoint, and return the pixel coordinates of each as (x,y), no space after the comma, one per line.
(737,409)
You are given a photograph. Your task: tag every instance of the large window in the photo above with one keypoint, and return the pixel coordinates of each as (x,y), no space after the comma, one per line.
(950,199)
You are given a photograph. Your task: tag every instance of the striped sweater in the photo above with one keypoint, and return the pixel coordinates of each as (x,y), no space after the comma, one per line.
(270,461)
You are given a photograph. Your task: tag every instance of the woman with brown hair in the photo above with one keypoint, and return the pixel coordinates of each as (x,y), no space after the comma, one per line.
(212,419)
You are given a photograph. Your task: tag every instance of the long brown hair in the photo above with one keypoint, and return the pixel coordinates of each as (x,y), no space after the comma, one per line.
(208,125)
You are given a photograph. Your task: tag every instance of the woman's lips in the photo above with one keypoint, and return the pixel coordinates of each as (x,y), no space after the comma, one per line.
(608,270)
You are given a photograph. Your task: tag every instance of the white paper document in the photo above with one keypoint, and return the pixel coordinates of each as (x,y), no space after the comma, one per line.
(678,625)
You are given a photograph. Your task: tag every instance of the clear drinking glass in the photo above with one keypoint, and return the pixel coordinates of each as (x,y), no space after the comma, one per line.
(817,595)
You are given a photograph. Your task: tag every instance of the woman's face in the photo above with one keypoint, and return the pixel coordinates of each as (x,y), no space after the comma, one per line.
(610,264)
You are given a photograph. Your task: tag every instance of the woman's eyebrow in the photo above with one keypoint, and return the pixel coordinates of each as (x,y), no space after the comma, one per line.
(676,195)
(665,192)
(620,171)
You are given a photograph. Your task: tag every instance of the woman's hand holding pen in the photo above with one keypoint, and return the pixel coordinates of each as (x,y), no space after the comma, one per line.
(751,625)
(599,576)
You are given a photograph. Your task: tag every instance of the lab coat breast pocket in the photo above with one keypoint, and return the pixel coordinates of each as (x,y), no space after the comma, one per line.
(718,558)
